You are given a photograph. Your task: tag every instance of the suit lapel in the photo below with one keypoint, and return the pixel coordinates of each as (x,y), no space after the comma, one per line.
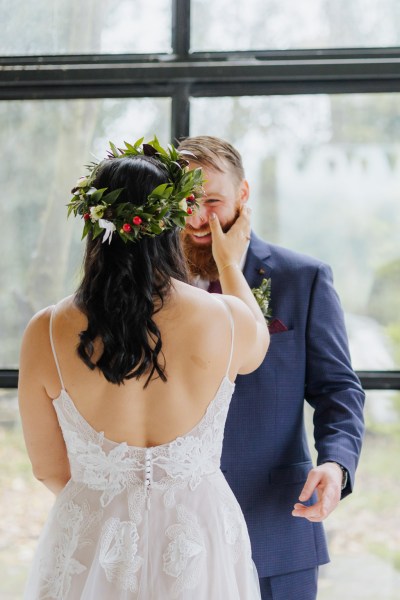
(257,265)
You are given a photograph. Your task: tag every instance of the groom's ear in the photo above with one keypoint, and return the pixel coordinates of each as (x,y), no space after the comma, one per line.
(244,191)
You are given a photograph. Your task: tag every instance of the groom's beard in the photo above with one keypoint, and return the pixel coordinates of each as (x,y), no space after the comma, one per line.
(199,258)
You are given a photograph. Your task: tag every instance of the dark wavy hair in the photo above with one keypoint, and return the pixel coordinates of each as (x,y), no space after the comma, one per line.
(125,284)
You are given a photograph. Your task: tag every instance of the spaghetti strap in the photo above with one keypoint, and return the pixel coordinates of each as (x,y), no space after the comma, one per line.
(227,308)
(53,348)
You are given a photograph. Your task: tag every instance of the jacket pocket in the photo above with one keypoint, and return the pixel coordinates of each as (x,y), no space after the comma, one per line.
(282,336)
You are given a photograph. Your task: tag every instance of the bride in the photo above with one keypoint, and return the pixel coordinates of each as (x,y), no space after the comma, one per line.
(124,390)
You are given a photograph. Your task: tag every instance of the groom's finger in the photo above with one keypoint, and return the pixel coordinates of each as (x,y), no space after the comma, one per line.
(313,480)
(315,512)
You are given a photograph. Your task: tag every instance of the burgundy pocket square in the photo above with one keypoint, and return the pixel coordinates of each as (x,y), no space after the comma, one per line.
(276,326)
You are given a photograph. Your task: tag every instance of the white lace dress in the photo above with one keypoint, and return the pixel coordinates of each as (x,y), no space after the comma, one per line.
(144,523)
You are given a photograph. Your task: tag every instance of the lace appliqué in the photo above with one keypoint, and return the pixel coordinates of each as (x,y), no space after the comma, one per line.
(190,458)
(110,473)
(58,567)
(232,523)
(118,553)
(185,555)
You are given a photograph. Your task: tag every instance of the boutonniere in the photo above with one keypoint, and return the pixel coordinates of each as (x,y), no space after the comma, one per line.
(263,296)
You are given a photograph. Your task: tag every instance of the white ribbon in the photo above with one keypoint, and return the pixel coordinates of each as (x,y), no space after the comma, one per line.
(109,230)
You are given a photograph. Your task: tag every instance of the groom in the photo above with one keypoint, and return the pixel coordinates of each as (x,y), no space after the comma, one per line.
(265,458)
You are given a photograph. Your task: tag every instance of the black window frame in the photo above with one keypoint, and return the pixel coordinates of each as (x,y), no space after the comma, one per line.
(182,75)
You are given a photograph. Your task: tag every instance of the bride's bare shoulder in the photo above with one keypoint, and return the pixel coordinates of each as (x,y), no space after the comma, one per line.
(196,299)
(191,292)
(40,321)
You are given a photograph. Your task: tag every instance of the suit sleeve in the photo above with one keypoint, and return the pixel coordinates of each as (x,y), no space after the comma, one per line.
(332,387)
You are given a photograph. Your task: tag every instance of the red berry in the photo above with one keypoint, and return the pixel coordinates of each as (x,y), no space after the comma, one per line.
(86,216)
(126,227)
(191,198)
(136,220)
(189,210)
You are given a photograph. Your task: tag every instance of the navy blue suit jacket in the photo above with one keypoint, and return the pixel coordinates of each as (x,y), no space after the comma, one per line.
(265,454)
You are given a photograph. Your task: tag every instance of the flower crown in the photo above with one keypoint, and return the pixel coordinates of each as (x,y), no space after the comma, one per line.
(166,207)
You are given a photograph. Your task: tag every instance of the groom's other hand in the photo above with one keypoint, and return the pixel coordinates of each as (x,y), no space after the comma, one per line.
(326,481)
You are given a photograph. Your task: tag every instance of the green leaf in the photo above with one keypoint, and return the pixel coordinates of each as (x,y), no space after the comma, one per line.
(114,149)
(179,221)
(163,212)
(154,228)
(97,230)
(96,196)
(86,229)
(138,143)
(173,152)
(162,191)
(70,209)
(156,145)
(134,149)
(111,197)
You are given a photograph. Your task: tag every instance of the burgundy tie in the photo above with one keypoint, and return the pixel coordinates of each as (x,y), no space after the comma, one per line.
(214,287)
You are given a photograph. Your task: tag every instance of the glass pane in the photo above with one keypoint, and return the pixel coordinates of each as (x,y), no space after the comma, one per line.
(24,502)
(84,27)
(363,532)
(324,174)
(289,24)
(48,143)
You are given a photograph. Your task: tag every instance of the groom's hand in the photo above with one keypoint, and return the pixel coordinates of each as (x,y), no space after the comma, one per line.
(326,480)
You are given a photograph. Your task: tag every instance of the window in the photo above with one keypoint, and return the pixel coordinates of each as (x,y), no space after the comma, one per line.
(287,24)
(53,139)
(324,173)
(84,27)
(309,93)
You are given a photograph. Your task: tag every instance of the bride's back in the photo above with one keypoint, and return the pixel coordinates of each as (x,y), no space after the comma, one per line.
(195,330)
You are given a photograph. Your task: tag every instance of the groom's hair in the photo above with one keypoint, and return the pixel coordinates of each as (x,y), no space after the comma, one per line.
(211,151)
(125,284)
